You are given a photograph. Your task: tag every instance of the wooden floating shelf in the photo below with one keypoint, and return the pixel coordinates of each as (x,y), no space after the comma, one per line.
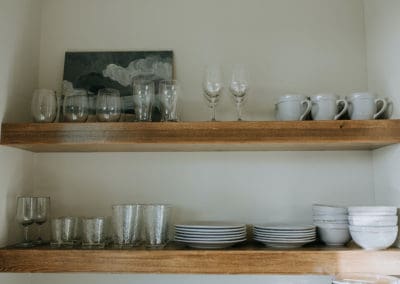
(243,260)
(201,136)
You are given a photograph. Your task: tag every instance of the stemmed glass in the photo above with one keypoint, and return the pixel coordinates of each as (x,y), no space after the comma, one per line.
(26,208)
(41,215)
(212,87)
(239,87)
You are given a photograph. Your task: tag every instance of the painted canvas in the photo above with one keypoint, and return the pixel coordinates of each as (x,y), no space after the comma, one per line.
(115,69)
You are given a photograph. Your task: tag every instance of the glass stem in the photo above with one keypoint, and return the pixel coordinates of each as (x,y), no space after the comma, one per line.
(26,234)
(239,111)
(39,232)
(213,113)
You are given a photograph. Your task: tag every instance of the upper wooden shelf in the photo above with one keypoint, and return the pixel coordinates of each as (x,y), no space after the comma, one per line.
(243,260)
(201,136)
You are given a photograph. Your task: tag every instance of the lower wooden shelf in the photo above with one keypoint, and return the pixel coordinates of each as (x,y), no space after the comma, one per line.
(250,259)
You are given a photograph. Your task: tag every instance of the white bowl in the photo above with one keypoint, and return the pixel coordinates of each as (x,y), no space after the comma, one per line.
(373,210)
(327,218)
(328,209)
(355,278)
(374,221)
(374,238)
(334,235)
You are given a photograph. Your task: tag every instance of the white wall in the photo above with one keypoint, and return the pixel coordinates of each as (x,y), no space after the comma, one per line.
(383,45)
(19,37)
(306,46)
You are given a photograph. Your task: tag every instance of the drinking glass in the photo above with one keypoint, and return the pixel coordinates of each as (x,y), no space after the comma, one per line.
(126,225)
(143,99)
(94,232)
(156,225)
(212,87)
(169,94)
(64,231)
(26,210)
(44,105)
(41,215)
(239,87)
(76,106)
(108,105)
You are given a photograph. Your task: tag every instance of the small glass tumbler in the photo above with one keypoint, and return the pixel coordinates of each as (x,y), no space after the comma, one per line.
(143,99)
(169,96)
(44,106)
(94,232)
(64,231)
(108,105)
(76,106)
(156,225)
(126,225)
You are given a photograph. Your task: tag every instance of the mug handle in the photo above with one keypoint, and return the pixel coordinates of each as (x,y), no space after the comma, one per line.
(344,110)
(383,109)
(308,109)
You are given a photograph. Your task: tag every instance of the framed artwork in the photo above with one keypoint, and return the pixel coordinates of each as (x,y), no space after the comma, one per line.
(115,69)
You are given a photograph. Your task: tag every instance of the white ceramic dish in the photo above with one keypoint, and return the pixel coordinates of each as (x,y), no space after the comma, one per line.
(211,225)
(376,221)
(355,278)
(283,244)
(284,227)
(340,217)
(284,235)
(178,238)
(374,238)
(373,210)
(213,231)
(211,245)
(334,235)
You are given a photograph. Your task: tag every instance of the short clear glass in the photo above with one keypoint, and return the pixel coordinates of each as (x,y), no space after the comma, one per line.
(44,106)
(156,225)
(76,106)
(94,232)
(26,210)
(143,99)
(169,93)
(65,232)
(108,105)
(126,225)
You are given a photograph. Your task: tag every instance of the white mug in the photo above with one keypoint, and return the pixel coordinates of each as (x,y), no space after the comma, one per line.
(363,106)
(326,106)
(293,107)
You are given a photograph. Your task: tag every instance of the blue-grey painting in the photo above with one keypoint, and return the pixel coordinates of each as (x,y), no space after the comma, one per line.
(115,69)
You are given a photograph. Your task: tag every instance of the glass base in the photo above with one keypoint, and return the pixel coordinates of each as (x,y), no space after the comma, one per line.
(158,246)
(40,242)
(71,244)
(93,246)
(25,245)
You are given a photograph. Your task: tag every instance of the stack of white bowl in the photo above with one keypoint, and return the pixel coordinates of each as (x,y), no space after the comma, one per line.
(373,227)
(332,224)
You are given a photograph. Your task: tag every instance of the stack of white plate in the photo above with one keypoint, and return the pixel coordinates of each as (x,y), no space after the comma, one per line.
(373,227)
(284,236)
(210,235)
(332,224)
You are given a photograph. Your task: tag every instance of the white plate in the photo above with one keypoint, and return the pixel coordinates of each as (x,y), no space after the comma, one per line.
(281,240)
(284,233)
(212,231)
(210,245)
(206,242)
(211,225)
(178,239)
(285,238)
(284,245)
(210,235)
(283,227)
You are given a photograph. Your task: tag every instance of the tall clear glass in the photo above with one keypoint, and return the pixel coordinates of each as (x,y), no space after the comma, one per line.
(157,220)
(169,93)
(44,106)
(239,87)
(26,210)
(41,215)
(212,87)
(108,105)
(143,99)
(76,106)
(126,225)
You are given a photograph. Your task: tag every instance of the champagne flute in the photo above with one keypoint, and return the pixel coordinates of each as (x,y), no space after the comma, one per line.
(41,215)
(212,87)
(239,87)
(26,210)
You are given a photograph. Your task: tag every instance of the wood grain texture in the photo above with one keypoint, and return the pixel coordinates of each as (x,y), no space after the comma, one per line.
(201,136)
(246,260)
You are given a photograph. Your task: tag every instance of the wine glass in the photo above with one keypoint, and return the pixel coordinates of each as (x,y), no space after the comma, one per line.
(44,106)
(41,215)
(26,210)
(169,94)
(76,106)
(212,87)
(108,105)
(239,87)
